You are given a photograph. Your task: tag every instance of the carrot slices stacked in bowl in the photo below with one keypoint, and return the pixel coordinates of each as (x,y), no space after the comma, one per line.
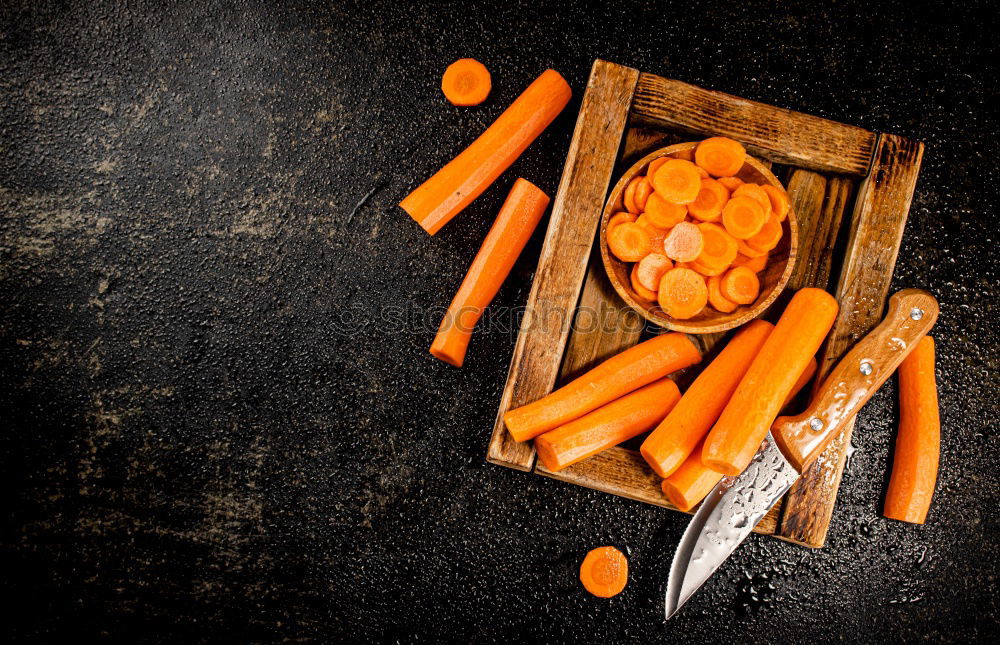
(697,233)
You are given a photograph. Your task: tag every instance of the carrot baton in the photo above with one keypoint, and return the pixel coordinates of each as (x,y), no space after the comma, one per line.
(518,218)
(918,442)
(744,422)
(465,177)
(607,426)
(637,366)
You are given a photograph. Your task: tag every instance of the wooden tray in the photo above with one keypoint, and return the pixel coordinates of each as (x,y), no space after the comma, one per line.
(574,319)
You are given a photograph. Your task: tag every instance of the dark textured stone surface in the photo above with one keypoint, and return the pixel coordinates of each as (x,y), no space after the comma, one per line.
(194,447)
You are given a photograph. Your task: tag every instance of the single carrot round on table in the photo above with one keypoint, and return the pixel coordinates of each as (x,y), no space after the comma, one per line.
(769,235)
(604,572)
(607,426)
(683,293)
(666,447)
(720,156)
(744,422)
(677,181)
(451,189)
(918,441)
(518,217)
(637,366)
(466,82)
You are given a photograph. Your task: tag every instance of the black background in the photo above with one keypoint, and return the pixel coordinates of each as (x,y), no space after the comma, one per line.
(194,448)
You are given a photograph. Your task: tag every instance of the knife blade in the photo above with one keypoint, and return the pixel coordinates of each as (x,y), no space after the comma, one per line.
(734,507)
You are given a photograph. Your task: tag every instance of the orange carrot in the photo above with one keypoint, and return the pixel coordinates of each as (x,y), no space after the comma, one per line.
(756,193)
(666,448)
(642,192)
(466,176)
(715,297)
(748,250)
(768,236)
(731,183)
(683,293)
(677,181)
(628,197)
(707,271)
(604,572)
(651,268)
(740,285)
(684,242)
(756,264)
(747,417)
(720,156)
(686,155)
(662,213)
(779,201)
(803,380)
(466,82)
(915,464)
(692,481)
(656,235)
(711,198)
(743,217)
(629,242)
(654,164)
(518,217)
(719,248)
(607,426)
(640,290)
(637,366)
(620,218)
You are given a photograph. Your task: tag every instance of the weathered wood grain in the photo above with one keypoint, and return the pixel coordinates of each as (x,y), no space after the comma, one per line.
(781,135)
(879,217)
(565,252)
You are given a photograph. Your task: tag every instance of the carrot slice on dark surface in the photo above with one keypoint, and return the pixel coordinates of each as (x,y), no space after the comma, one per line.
(743,217)
(719,247)
(720,156)
(629,242)
(677,181)
(664,214)
(466,82)
(684,242)
(604,572)
(715,298)
(740,285)
(683,293)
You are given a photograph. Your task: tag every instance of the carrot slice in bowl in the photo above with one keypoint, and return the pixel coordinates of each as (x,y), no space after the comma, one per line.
(740,285)
(720,156)
(677,181)
(768,236)
(629,242)
(629,195)
(620,218)
(711,199)
(643,190)
(651,268)
(715,298)
(664,214)
(683,293)
(731,183)
(743,217)
(684,242)
(756,193)
(645,294)
(755,264)
(779,201)
(719,248)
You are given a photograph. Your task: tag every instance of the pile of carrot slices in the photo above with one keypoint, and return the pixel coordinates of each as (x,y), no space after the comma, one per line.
(697,233)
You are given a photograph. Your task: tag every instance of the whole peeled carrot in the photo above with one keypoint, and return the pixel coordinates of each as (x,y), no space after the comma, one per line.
(744,422)
(449,190)
(607,426)
(666,448)
(692,480)
(619,375)
(918,442)
(518,218)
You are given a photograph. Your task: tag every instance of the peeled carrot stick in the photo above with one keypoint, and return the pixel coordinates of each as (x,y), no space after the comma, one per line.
(607,426)
(747,417)
(637,366)
(518,218)
(804,378)
(466,82)
(689,484)
(604,572)
(915,465)
(666,447)
(465,177)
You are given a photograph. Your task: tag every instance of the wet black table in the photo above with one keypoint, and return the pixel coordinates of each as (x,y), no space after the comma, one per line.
(219,417)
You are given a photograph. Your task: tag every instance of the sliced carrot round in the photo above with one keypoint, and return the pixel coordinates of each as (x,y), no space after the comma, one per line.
(779,201)
(755,264)
(720,156)
(642,192)
(740,285)
(651,268)
(604,572)
(756,193)
(677,181)
(686,154)
(656,234)
(768,236)
(712,197)
(743,217)
(706,270)
(466,82)
(654,164)
(683,293)
(662,213)
(748,250)
(629,195)
(620,218)
(629,242)
(641,291)
(716,299)
(684,242)
(719,248)
(731,183)
(702,172)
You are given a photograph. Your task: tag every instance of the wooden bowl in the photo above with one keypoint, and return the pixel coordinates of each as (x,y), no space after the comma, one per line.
(709,321)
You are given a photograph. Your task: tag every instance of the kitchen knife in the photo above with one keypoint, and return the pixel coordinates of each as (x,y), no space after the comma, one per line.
(730,512)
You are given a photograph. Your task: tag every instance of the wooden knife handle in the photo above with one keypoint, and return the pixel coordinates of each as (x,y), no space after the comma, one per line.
(856,377)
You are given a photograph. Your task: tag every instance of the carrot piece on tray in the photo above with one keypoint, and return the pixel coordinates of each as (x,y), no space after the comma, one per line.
(716,299)
(915,464)
(754,405)
(518,218)
(690,420)
(768,236)
(651,268)
(663,213)
(683,293)
(719,248)
(448,191)
(731,183)
(707,206)
(720,156)
(604,572)
(779,201)
(684,242)
(740,285)
(607,426)
(756,193)
(637,366)
(743,217)
(645,294)
(642,192)
(677,181)
(629,242)
(620,218)
(466,82)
